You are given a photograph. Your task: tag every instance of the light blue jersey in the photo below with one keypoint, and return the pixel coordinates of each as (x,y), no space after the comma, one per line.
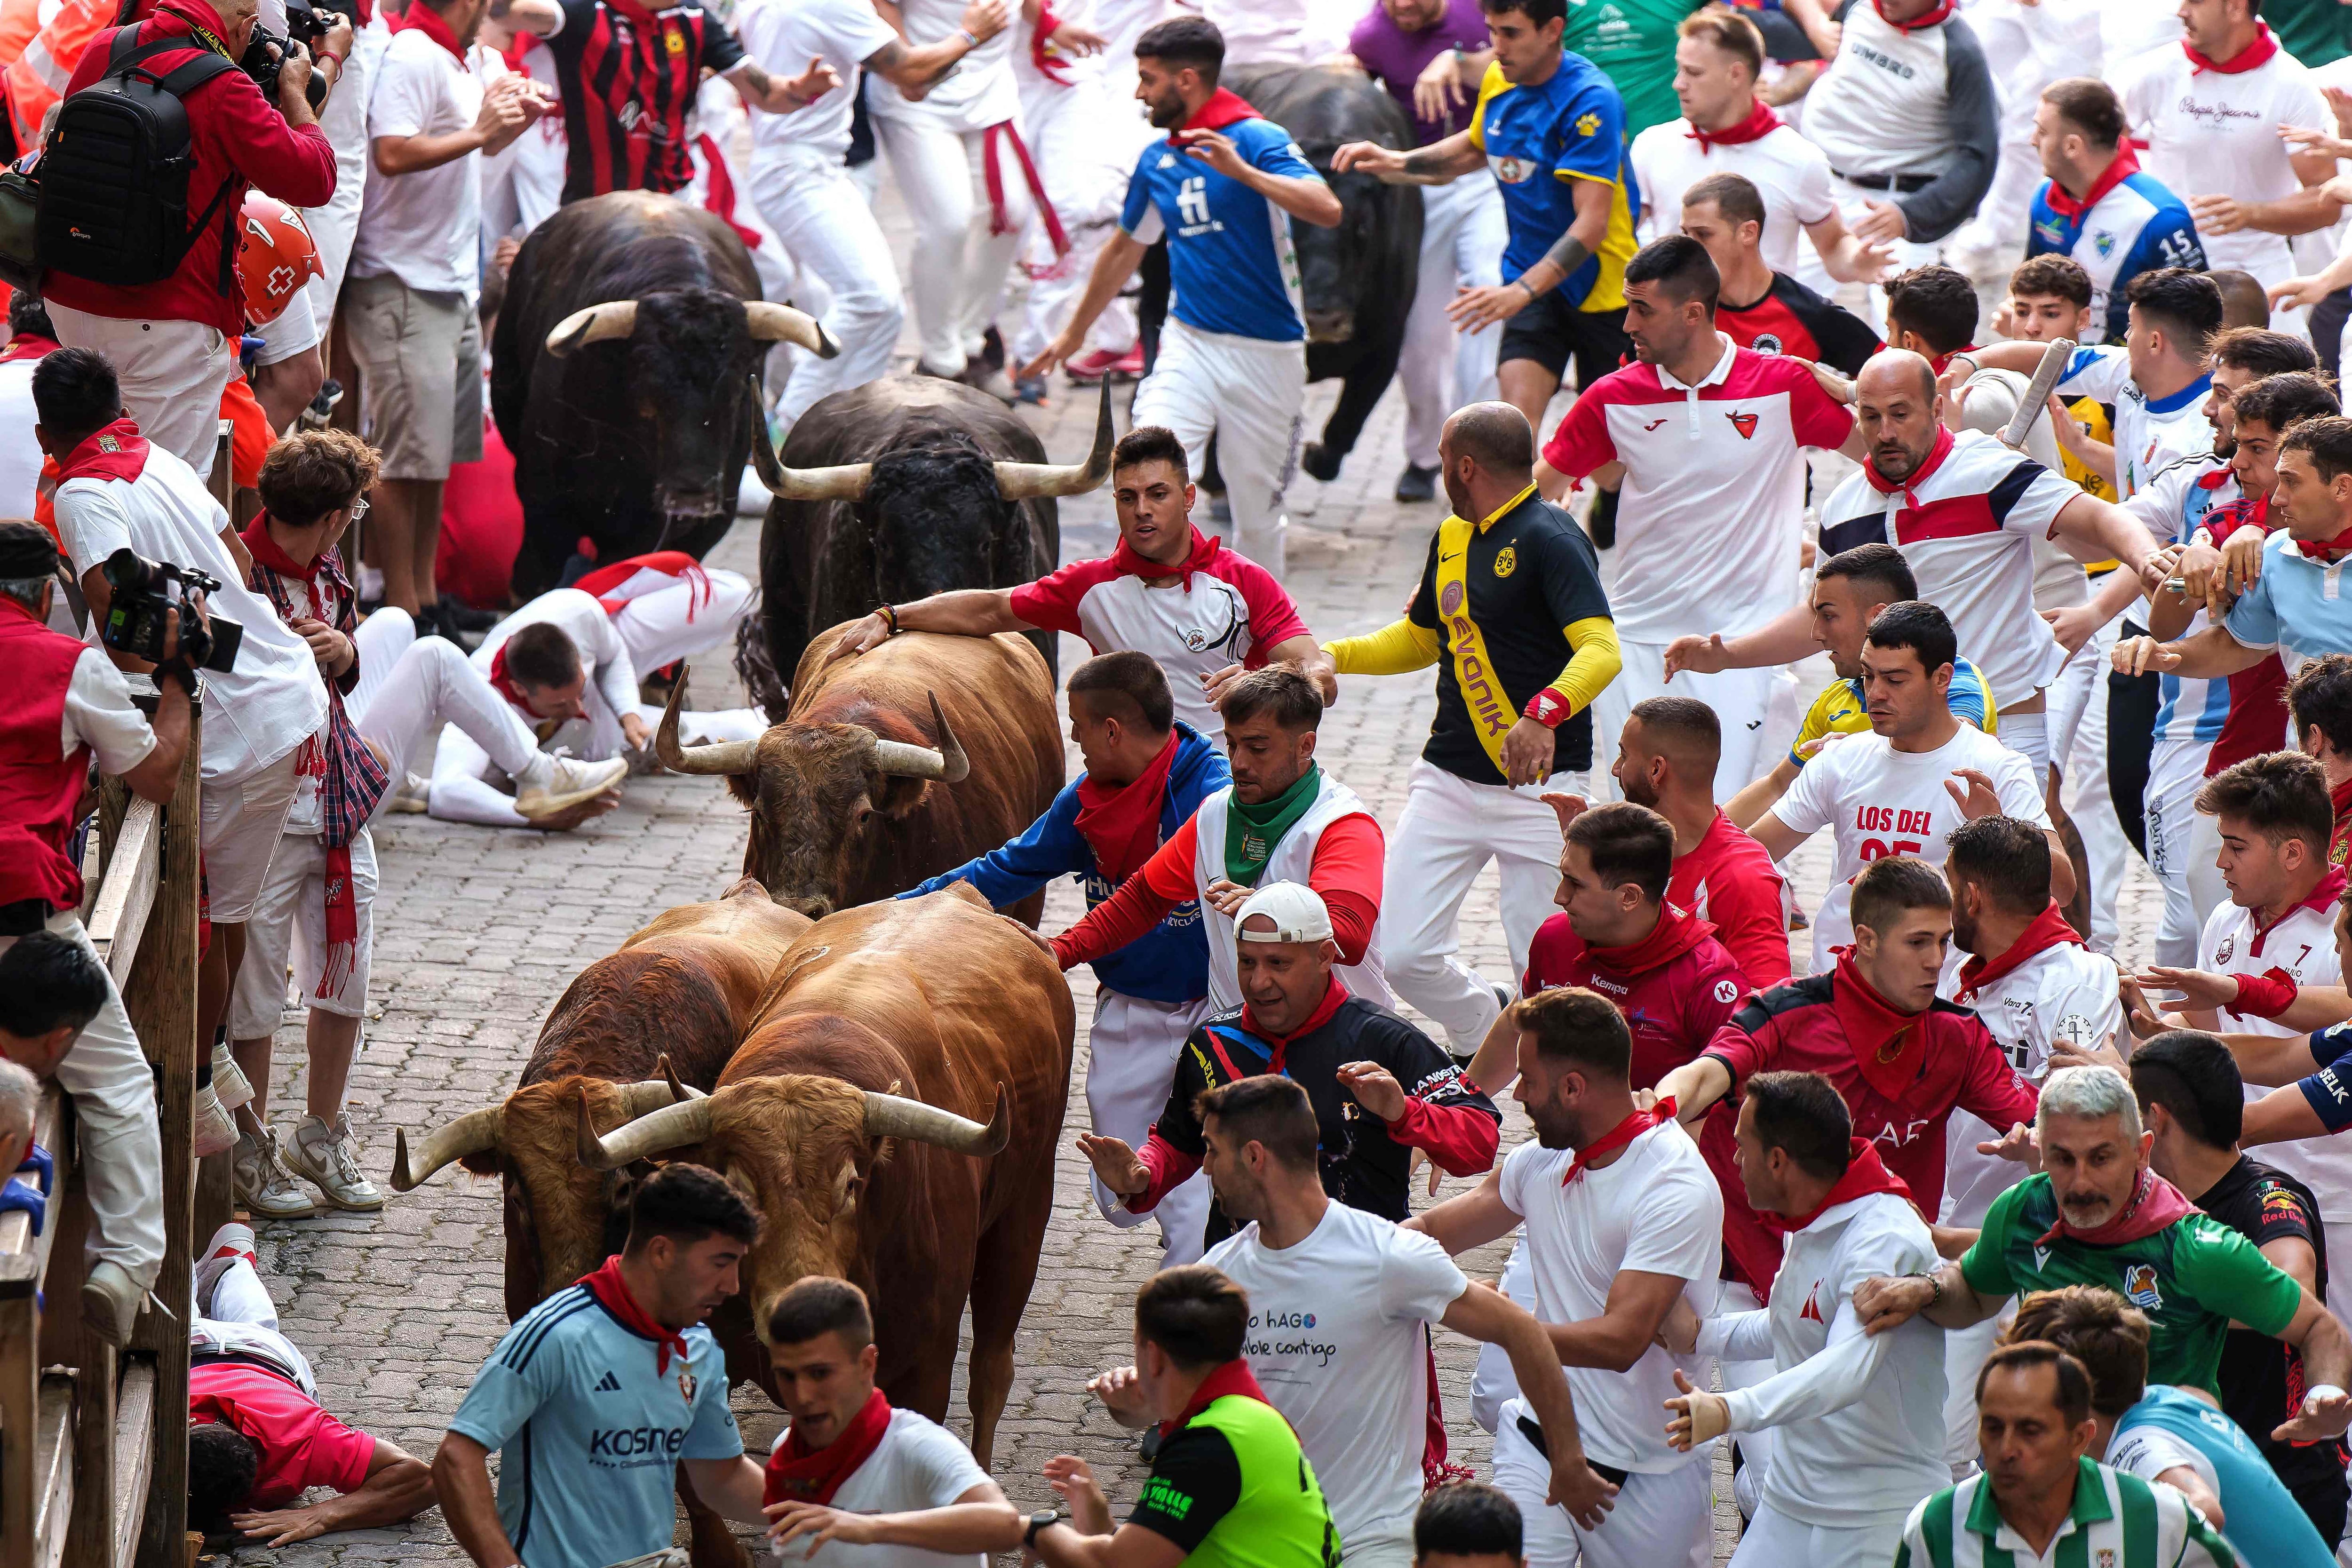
(1229,256)
(2131,225)
(2297,605)
(591,1435)
(2260,1516)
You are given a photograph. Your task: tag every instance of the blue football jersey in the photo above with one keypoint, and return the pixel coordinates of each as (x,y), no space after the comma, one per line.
(2132,226)
(1540,141)
(1229,256)
(591,1433)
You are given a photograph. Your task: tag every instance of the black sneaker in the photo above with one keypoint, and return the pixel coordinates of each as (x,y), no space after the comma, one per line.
(468,618)
(1416,483)
(429,624)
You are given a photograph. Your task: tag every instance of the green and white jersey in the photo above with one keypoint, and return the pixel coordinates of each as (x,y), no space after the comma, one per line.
(2117,1521)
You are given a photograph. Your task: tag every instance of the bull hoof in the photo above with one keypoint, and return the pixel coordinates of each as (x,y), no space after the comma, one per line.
(1319,461)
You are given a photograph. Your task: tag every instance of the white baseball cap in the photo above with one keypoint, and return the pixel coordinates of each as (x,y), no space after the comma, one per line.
(1298,914)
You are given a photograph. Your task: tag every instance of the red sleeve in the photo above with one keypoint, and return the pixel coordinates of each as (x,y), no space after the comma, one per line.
(1581,443)
(1171,1168)
(1274,616)
(1141,902)
(1990,1090)
(335,1456)
(242,131)
(1741,1051)
(1051,602)
(1748,920)
(1461,1139)
(1819,420)
(1346,873)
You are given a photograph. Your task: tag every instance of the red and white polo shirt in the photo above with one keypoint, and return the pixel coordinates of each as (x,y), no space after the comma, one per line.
(1711,517)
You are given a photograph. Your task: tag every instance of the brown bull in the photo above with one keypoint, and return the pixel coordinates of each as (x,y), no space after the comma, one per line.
(890,767)
(894,1112)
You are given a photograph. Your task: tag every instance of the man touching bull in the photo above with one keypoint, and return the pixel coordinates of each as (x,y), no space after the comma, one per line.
(1146,773)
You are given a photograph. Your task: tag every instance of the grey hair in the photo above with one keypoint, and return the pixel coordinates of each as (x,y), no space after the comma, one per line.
(20,1095)
(2092,1093)
(26,591)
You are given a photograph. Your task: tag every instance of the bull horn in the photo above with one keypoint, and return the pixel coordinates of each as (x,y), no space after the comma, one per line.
(843,482)
(670,1127)
(725,757)
(649,1095)
(597,324)
(669,1076)
(892,1116)
(782,325)
(948,764)
(475,1133)
(1029,481)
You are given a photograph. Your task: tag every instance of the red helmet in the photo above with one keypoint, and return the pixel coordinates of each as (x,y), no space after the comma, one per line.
(275,257)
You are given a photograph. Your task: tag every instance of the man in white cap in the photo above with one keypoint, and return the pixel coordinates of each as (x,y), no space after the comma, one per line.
(1380,1087)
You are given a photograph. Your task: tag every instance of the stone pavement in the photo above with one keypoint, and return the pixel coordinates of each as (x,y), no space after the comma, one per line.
(478,930)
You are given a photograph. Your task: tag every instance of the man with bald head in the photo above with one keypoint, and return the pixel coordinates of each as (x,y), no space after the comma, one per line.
(1703,442)
(1511,612)
(1964,509)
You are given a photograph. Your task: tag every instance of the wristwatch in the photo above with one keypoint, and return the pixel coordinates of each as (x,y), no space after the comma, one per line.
(1039,1520)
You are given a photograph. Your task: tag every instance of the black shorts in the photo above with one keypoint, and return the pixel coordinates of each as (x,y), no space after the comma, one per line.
(1552,332)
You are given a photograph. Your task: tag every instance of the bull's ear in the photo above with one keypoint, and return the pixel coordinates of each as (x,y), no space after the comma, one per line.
(745,788)
(483,1162)
(899,796)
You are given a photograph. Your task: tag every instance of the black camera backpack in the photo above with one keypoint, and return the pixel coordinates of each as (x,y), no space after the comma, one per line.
(114,174)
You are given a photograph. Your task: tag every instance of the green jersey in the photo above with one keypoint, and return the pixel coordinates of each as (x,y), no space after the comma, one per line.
(1232,1488)
(2191,1278)
(2116,1521)
(1633,42)
(2315,32)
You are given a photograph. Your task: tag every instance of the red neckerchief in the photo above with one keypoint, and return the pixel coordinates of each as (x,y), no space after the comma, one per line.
(1617,1137)
(719,191)
(1121,823)
(2216,480)
(27,345)
(115,451)
(1225,107)
(506,685)
(515,52)
(2155,1204)
(1936,456)
(607,1286)
(1935,18)
(420,17)
(1938,362)
(676,563)
(1882,1036)
(1280,1044)
(2330,888)
(1128,561)
(1230,1379)
(2049,930)
(1864,1174)
(1677,932)
(797,1473)
(2252,57)
(1760,122)
(1049,63)
(268,552)
(2125,164)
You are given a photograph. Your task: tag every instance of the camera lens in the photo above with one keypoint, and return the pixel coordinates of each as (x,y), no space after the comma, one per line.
(125,568)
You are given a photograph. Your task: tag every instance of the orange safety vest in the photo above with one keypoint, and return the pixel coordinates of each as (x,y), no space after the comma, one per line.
(36,79)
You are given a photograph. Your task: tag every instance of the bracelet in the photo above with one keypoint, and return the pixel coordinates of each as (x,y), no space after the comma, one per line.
(889,619)
(1935,1286)
(970,36)
(1523,283)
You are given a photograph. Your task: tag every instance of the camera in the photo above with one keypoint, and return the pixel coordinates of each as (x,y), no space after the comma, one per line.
(264,57)
(144,591)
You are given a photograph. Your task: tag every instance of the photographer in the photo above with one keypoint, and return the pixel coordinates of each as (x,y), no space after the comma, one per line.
(174,343)
(116,492)
(61,702)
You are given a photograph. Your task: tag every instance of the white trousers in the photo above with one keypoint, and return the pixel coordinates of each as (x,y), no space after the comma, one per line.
(1495,1383)
(289,931)
(2181,845)
(1964,1356)
(1742,700)
(1448,831)
(1251,394)
(243,1316)
(1132,1052)
(826,224)
(2077,717)
(243,821)
(1462,239)
(1775,1540)
(1756,1447)
(671,624)
(1084,143)
(959,268)
(171,374)
(2028,734)
(410,686)
(1661,1521)
(121,1151)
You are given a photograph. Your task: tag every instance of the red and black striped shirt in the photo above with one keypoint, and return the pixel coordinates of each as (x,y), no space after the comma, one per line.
(628,76)
(1791,318)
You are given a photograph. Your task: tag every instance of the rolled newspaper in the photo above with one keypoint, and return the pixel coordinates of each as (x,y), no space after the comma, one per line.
(2037,392)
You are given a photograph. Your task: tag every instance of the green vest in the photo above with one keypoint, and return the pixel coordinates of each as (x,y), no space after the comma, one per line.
(1281,1521)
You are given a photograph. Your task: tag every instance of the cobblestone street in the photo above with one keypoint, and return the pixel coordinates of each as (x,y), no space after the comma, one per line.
(478,930)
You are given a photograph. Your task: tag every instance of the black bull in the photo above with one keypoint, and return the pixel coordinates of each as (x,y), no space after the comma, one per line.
(629,324)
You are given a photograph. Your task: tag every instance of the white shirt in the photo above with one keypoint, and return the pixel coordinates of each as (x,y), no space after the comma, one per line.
(980,92)
(1655,1209)
(1860,1418)
(426,227)
(2216,134)
(1280,32)
(274,700)
(1789,172)
(2147,1451)
(613,678)
(1336,1339)
(917,1465)
(1879,801)
(2066,994)
(1967,528)
(20,455)
(2303,945)
(2152,434)
(98,715)
(783,36)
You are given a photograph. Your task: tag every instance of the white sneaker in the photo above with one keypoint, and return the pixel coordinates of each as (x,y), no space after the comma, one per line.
(230,1086)
(110,1302)
(565,783)
(322,1155)
(230,1242)
(263,1187)
(213,1129)
(413,794)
